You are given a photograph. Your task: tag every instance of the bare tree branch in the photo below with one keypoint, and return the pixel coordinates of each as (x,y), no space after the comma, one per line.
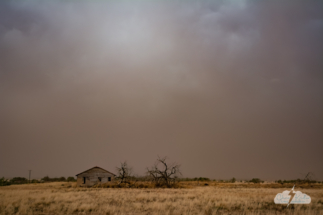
(124,172)
(163,173)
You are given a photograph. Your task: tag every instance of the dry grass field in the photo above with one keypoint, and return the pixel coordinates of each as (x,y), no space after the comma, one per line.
(66,198)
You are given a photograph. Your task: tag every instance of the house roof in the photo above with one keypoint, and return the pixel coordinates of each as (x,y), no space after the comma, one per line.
(96,167)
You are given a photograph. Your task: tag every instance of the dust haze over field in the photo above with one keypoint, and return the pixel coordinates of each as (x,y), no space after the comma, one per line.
(226,89)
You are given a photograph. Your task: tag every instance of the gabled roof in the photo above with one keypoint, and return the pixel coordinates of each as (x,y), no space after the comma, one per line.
(96,167)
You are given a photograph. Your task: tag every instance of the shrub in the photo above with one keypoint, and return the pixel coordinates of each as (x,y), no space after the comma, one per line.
(279,182)
(4,182)
(62,179)
(19,180)
(48,179)
(35,181)
(70,179)
(201,179)
(256,181)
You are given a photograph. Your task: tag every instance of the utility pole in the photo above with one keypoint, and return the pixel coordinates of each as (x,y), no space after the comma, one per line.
(29,175)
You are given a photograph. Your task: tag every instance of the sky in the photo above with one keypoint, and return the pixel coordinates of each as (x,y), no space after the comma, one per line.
(223,88)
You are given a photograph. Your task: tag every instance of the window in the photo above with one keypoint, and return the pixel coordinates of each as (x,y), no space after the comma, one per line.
(109,178)
(99,179)
(84,180)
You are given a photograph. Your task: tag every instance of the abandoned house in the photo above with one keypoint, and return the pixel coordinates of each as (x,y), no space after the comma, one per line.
(93,176)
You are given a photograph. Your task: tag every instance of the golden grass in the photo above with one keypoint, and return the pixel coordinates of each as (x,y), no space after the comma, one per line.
(66,198)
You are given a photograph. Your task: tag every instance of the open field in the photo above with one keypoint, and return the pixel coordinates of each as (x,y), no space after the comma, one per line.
(65,198)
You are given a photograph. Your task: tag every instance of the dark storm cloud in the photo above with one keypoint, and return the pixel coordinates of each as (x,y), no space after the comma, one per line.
(224,88)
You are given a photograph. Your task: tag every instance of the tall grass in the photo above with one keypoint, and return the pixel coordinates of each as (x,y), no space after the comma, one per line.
(66,198)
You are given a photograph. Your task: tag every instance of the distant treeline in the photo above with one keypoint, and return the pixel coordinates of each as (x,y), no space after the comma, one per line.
(22,180)
(298,181)
(207,179)
(194,179)
(254,180)
(62,179)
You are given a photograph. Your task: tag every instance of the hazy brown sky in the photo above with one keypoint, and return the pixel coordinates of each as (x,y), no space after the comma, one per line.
(226,89)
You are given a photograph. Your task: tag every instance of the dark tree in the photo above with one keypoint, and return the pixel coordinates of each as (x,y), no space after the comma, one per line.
(124,172)
(163,173)
(309,177)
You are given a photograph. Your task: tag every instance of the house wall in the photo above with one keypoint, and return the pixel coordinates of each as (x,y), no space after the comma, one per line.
(92,177)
